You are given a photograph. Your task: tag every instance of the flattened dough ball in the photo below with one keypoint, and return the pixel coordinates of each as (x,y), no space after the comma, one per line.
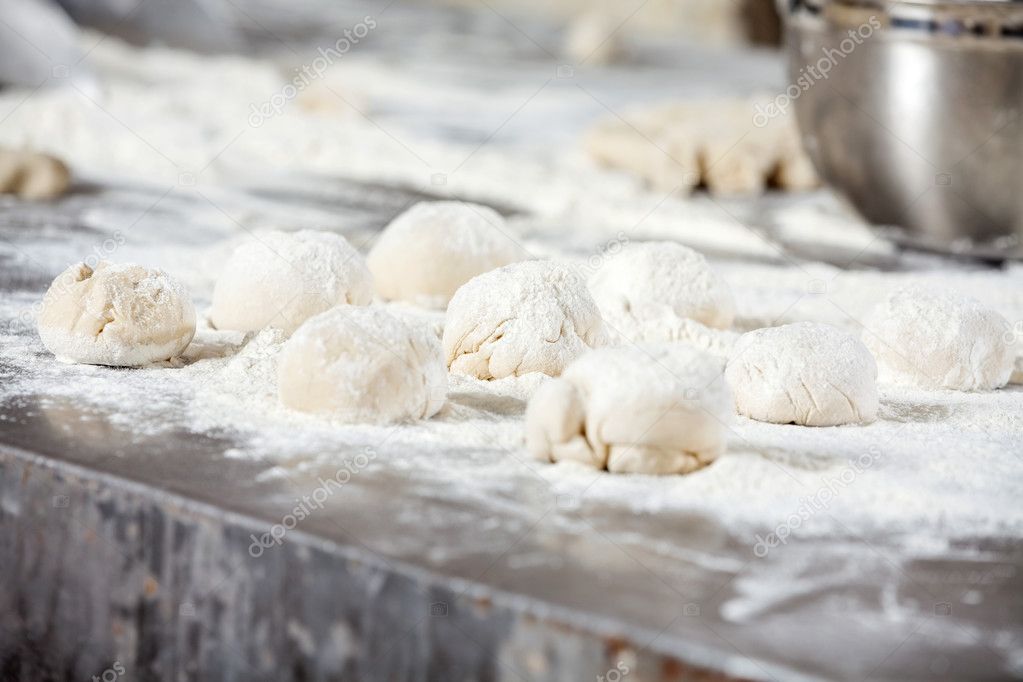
(281,279)
(646,289)
(645,410)
(805,373)
(534,316)
(939,339)
(121,315)
(433,248)
(363,365)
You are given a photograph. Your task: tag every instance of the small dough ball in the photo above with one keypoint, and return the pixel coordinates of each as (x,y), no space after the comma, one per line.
(119,315)
(939,339)
(363,365)
(433,248)
(281,279)
(32,175)
(649,409)
(647,288)
(534,316)
(805,373)
(44,177)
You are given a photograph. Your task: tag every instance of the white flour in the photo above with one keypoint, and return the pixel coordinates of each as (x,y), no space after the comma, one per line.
(884,479)
(935,467)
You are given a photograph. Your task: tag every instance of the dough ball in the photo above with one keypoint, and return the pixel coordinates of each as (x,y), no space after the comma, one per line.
(646,289)
(804,373)
(433,248)
(281,279)
(534,316)
(32,175)
(939,339)
(119,315)
(648,409)
(363,365)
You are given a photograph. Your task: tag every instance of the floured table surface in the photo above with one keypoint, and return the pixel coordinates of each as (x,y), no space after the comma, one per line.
(901,556)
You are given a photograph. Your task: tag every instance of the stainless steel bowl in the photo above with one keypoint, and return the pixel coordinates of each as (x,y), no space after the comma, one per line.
(914,111)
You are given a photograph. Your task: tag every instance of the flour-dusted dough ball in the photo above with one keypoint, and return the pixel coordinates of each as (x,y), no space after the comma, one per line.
(939,339)
(363,365)
(646,289)
(32,175)
(805,373)
(648,409)
(120,315)
(534,316)
(433,248)
(281,279)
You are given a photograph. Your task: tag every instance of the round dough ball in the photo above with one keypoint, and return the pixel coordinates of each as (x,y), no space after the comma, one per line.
(645,289)
(636,409)
(534,316)
(43,177)
(281,279)
(119,315)
(939,339)
(433,248)
(804,373)
(363,365)
(32,175)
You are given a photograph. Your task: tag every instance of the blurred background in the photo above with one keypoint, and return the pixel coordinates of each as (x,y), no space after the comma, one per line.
(222,114)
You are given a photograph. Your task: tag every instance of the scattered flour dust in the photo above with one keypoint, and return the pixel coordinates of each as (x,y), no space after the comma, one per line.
(886,479)
(934,467)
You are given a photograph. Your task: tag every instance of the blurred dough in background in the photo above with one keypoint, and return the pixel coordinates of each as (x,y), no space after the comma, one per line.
(593,38)
(32,175)
(729,146)
(717,22)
